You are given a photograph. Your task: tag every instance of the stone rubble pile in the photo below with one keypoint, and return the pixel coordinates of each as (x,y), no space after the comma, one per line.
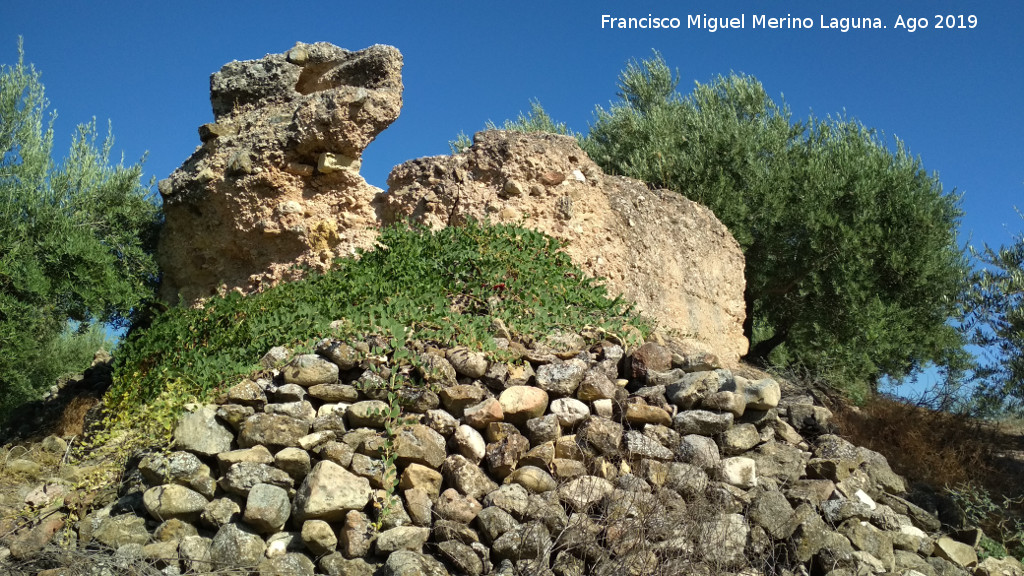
(569,456)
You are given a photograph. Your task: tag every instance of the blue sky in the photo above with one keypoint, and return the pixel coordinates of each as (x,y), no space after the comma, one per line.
(955,96)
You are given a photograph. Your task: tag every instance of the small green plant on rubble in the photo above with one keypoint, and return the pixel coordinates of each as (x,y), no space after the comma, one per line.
(1004,529)
(402,362)
(445,287)
(393,423)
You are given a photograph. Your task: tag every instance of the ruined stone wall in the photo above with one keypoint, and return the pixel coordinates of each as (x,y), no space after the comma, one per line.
(670,256)
(276,186)
(569,456)
(275,183)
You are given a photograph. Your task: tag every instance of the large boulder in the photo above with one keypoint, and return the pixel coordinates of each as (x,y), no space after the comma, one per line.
(276,180)
(670,255)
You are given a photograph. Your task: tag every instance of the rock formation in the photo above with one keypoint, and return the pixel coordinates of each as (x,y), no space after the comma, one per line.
(276,181)
(276,186)
(671,256)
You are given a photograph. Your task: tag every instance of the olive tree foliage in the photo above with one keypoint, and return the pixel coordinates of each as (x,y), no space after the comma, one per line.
(994,321)
(76,239)
(852,263)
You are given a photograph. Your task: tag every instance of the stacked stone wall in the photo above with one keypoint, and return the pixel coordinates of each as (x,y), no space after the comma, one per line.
(570,455)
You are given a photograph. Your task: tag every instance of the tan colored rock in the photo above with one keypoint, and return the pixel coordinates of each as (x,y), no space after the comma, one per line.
(329,492)
(355,537)
(649,359)
(459,397)
(644,414)
(274,430)
(992,566)
(568,447)
(402,538)
(761,394)
(29,542)
(539,456)
(417,476)
(199,432)
(267,508)
(258,454)
(721,542)
(247,393)
(234,545)
(584,492)
(454,506)
(532,478)
(569,411)
(173,501)
(194,552)
(956,552)
(276,181)
(310,370)
(670,255)
(738,471)
(421,445)
(316,439)
(468,362)
(294,461)
(470,443)
(480,415)
(520,403)
(565,469)
(419,505)
(738,439)
(596,386)
(467,477)
(319,537)
(368,413)
(725,401)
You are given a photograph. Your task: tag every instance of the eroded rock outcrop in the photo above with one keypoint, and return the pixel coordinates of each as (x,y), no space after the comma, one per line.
(276,181)
(671,256)
(276,186)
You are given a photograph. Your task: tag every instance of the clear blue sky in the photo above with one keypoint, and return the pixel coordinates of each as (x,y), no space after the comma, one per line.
(955,96)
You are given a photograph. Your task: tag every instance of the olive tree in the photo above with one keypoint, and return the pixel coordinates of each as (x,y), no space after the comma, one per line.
(994,321)
(76,238)
(852,262)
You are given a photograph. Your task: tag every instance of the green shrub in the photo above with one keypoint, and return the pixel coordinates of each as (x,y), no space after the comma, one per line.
(41,363)
(994,321)
(1003,522)
(536,120)
(76,240)
(852,262)
(444,286)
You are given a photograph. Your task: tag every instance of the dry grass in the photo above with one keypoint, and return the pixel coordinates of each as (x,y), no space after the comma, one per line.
(935,448)
(72,418)
(964,459)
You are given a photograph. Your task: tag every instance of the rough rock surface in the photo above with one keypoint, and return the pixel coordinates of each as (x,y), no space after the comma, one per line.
(276,180)
(670,255)
(543,487)
(276,184)
(652,460)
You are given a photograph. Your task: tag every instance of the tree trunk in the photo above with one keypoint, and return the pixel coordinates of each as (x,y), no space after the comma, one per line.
(759,352)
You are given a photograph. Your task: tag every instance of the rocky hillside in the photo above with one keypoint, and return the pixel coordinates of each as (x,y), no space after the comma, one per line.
(374,441)
(567,455)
